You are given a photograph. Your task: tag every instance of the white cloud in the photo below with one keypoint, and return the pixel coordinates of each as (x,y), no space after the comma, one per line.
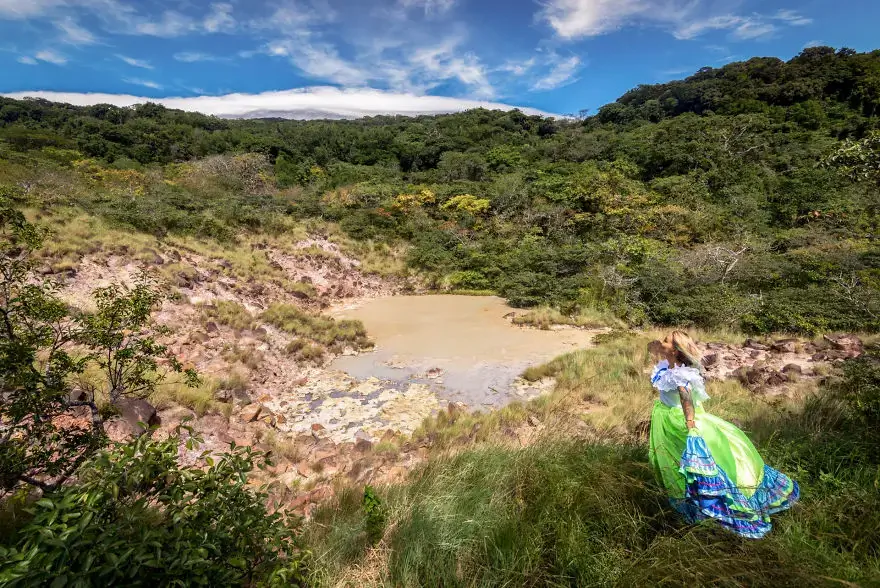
(145,83)
(813,43)
(431,7)
(220,19)
(313,102)
(171,24)
(27,60)
(194,56)
(793,18)
(518,68)
(50,56)
(685,19)
(73,33)
(135,62)
(561,74)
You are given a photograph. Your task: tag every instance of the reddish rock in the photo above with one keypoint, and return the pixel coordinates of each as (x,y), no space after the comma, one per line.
(754,344)
(251,412)
(363,446)
(304,469)
(785,346)
(710,359)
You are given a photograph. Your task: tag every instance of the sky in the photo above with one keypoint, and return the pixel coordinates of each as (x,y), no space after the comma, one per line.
(350,58)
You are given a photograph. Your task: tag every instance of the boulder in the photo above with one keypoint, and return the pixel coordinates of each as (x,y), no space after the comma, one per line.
(785,346)
(136,410)
(251,412)
(849,343)
(748,376)
(211,328)
(777,379)
(363,446)
(710,359)
(792,368)
(304,469)
(753,344)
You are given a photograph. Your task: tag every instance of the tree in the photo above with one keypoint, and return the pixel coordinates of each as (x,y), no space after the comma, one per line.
(860,160)
(50,425)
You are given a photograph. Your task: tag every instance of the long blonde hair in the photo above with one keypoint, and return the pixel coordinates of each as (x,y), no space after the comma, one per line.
(687,349)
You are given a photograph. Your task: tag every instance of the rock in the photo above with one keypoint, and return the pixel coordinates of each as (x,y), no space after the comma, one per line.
(777,379)
(792,368)
(304,469)
(362,434)
(434,373)
(153,257)
(396,474)
(136,411)
(716,346)
(267,416)
(748,376)
(211,328)
(710,359)
(785,346)
(300,501)
(534,421)
(251,412)
(280,419)
(848,343)
(509,315)
(753,344)
(388,437)
(199,337)
(305,280)
(119,430)
(363,446)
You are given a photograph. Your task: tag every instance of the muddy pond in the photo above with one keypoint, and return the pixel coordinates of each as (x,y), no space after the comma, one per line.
(430,351)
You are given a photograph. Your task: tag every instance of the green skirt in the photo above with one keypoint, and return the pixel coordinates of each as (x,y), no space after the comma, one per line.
(715,472)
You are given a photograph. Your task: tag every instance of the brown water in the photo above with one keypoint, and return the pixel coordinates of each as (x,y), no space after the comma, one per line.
(463,347)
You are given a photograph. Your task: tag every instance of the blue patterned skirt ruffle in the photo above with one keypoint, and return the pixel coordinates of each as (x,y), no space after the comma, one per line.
(711,494)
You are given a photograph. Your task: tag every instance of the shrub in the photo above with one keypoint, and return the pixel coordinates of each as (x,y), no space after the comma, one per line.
(375,515)
(139,518)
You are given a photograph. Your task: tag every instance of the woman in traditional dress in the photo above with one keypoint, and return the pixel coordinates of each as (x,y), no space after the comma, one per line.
(709,467)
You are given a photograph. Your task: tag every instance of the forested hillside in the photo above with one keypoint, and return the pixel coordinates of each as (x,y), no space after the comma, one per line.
(726,199)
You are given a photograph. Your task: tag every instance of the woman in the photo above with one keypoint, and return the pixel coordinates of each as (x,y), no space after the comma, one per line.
(709,467)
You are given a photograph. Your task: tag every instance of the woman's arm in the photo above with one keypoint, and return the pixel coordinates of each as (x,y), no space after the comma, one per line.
(687,406)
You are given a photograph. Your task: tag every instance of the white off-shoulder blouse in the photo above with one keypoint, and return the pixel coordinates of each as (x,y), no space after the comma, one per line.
(668,379)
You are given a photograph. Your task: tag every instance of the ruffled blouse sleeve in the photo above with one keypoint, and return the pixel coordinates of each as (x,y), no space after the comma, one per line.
(668,379)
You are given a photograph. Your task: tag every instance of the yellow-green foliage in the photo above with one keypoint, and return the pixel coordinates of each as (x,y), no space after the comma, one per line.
(467,203)
(320,329)
(305,351)
(199,399)
(407,202)
(229,313)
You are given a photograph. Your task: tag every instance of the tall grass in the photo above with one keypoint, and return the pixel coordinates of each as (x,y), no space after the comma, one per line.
(567,511)
(321,329)
(546,318)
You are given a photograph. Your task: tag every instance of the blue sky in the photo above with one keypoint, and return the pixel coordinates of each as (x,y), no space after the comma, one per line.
(355,57)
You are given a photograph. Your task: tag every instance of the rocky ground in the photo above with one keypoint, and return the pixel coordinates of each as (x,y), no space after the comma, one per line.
(323,427)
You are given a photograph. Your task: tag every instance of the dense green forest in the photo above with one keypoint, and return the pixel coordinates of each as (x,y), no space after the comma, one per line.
(741,196)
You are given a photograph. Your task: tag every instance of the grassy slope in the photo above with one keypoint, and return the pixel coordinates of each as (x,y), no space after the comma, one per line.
(569,511)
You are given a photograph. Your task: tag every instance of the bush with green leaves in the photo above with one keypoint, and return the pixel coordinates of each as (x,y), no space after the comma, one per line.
(137,517)
(50,420)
